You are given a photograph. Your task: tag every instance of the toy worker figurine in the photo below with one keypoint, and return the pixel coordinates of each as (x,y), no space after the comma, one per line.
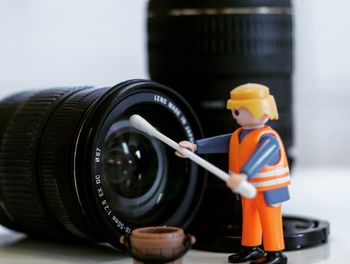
(256,154)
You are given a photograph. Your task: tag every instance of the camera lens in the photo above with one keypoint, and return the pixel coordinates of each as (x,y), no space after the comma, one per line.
(72,167)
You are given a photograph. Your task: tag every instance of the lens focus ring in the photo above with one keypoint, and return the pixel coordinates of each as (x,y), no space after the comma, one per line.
(57,159)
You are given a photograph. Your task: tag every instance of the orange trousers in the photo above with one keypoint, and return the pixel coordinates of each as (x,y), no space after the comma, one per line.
(262,222)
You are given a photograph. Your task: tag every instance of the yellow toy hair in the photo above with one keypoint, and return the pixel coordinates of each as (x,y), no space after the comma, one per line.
(256,98)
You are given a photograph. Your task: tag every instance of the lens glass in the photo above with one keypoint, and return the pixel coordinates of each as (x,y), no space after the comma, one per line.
(131,164)
(133,170)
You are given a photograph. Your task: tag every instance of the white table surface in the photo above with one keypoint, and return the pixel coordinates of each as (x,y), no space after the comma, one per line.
(319,193)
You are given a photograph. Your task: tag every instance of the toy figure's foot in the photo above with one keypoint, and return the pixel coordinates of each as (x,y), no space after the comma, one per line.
(246,254)
(272,258)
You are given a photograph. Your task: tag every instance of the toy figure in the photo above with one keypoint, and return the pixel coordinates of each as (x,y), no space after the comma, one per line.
(256,154)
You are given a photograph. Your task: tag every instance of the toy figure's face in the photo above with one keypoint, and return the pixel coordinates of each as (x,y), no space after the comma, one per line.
(245,119)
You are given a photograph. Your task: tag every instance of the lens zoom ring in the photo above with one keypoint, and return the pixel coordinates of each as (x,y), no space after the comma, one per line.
(61,123)
(18,152)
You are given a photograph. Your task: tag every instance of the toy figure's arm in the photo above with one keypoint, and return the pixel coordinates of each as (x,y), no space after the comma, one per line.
(217,144)
(267,152)
(212,145)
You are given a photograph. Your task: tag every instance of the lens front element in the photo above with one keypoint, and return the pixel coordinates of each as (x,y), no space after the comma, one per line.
(134,166)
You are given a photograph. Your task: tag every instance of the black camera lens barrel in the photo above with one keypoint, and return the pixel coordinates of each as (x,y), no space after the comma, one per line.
(48,186)
(203,49)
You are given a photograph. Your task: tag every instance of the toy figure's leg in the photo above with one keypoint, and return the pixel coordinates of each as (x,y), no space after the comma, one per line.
(251,228)
(271,222)
(251,234)
(272,230)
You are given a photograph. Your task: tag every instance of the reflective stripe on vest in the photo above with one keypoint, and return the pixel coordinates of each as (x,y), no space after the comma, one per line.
(272,173)
(277,181)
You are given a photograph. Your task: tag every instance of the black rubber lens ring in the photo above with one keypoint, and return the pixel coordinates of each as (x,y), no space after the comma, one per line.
(19,180)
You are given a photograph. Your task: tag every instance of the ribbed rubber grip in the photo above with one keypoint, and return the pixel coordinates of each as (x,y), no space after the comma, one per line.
(7,107)
(20,184)
(56,166)
(220,44)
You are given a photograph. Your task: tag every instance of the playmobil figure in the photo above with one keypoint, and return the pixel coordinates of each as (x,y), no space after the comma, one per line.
(256,154)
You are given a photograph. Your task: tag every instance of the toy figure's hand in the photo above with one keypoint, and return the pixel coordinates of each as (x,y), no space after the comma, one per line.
(235,179)
(187,145)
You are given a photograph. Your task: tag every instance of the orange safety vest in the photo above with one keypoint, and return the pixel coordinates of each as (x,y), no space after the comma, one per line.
(270,176)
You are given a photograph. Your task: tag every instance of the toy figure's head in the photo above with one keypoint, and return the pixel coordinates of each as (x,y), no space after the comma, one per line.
(252,105)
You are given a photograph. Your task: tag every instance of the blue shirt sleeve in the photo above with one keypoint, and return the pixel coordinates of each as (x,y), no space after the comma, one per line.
(267,152)
(218,144)
(277,196)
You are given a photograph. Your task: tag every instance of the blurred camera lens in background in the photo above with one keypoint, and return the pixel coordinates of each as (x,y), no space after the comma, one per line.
(203,49)
(72,168)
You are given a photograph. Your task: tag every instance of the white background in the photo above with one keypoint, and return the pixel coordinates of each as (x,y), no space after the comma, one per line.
(52,43)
